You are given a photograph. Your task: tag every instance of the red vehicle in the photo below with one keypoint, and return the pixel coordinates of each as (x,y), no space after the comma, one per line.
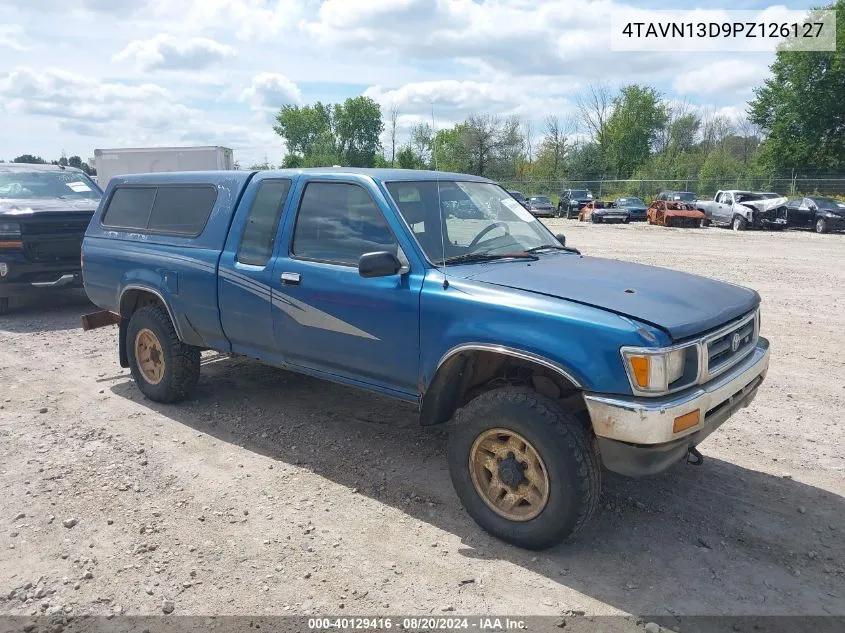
(674,213)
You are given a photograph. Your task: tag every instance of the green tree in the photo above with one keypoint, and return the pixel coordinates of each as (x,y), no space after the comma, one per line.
(584,162)
(449,152)
(407,158)
(720,170)
(358,127)
(800,108)
(304,128)
(326,134)
(638,115)
(29,158)
(422,137)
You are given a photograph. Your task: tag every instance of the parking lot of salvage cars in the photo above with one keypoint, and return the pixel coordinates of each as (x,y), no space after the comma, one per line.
(276,493)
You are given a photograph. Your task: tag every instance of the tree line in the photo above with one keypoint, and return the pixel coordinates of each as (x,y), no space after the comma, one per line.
(64,161)
(795,121)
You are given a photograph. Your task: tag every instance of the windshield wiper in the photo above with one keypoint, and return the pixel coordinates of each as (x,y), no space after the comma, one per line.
(467,258)
(552,247)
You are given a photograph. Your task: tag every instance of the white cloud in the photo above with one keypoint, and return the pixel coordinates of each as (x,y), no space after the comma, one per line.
(230,64)
(554,37)
(11,36)
(732,76)
(168,52)
(270,91)
(145,113)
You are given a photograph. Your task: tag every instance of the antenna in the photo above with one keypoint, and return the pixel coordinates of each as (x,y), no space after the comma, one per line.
(434,137)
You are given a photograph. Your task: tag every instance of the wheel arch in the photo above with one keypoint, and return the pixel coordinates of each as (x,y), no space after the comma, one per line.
(468,370)
(132,298)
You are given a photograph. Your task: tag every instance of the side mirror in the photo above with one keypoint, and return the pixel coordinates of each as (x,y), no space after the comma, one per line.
(561,238)
(379,264)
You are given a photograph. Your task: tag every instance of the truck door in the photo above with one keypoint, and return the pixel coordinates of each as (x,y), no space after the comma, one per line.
(244,280)
(329,318)
(724,208)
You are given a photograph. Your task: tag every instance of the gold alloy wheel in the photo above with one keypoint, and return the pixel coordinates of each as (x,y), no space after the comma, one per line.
(149,356)
(509,474)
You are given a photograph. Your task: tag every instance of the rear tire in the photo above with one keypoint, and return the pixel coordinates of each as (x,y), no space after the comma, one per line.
(559,491)
(739,223)
(821,225)
(164,368)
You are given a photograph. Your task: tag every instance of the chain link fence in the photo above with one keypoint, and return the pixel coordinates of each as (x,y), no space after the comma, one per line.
(790,186)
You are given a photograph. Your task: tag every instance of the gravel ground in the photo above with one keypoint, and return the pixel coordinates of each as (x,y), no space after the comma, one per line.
(274,493)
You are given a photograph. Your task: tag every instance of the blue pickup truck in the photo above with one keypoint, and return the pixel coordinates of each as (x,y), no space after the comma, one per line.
(548,365)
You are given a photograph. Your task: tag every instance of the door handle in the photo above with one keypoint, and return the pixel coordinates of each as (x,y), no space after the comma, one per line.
(290,279)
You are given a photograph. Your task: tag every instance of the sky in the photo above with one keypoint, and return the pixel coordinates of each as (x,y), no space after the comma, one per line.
(75,76)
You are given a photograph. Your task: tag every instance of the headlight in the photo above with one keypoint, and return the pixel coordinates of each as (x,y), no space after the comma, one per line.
(654,370)
(830,214)
(10,230)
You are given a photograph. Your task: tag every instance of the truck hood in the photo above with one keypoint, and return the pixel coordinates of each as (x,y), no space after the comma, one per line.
(765,205)
(12,207)
(679,303)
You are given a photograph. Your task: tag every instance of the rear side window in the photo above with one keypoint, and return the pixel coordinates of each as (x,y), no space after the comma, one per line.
(129,207)
(176,209)
(262,223)
(182,210)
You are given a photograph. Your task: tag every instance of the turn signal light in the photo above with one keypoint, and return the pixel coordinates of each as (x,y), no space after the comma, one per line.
(640,366)
(12,244)
(686,421)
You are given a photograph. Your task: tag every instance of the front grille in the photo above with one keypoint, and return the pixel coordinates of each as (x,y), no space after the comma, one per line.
(41,228)
(779,213)
(57,250)
(731,346)
(54,238)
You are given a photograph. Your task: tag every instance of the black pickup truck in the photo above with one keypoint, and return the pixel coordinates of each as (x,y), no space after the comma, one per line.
(44,211)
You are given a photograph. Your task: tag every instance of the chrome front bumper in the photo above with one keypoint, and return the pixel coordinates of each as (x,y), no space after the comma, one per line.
(650,421)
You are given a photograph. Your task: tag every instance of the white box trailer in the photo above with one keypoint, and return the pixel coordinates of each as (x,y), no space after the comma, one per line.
(144,160)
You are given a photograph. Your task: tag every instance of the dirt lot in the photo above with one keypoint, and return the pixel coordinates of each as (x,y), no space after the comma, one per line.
(272,493)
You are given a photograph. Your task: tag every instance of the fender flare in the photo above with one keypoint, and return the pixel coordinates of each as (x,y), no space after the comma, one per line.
(157,293)
(445,387)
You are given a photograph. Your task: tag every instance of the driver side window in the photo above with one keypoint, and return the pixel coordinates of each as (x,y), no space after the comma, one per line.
(337,223)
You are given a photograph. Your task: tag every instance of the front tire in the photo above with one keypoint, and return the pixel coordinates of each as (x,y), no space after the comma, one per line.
(821,225)
(525,469)
(739,223)
(164,368)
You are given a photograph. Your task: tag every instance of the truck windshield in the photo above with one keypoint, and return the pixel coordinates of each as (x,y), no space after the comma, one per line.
(453,220)
(33,185)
